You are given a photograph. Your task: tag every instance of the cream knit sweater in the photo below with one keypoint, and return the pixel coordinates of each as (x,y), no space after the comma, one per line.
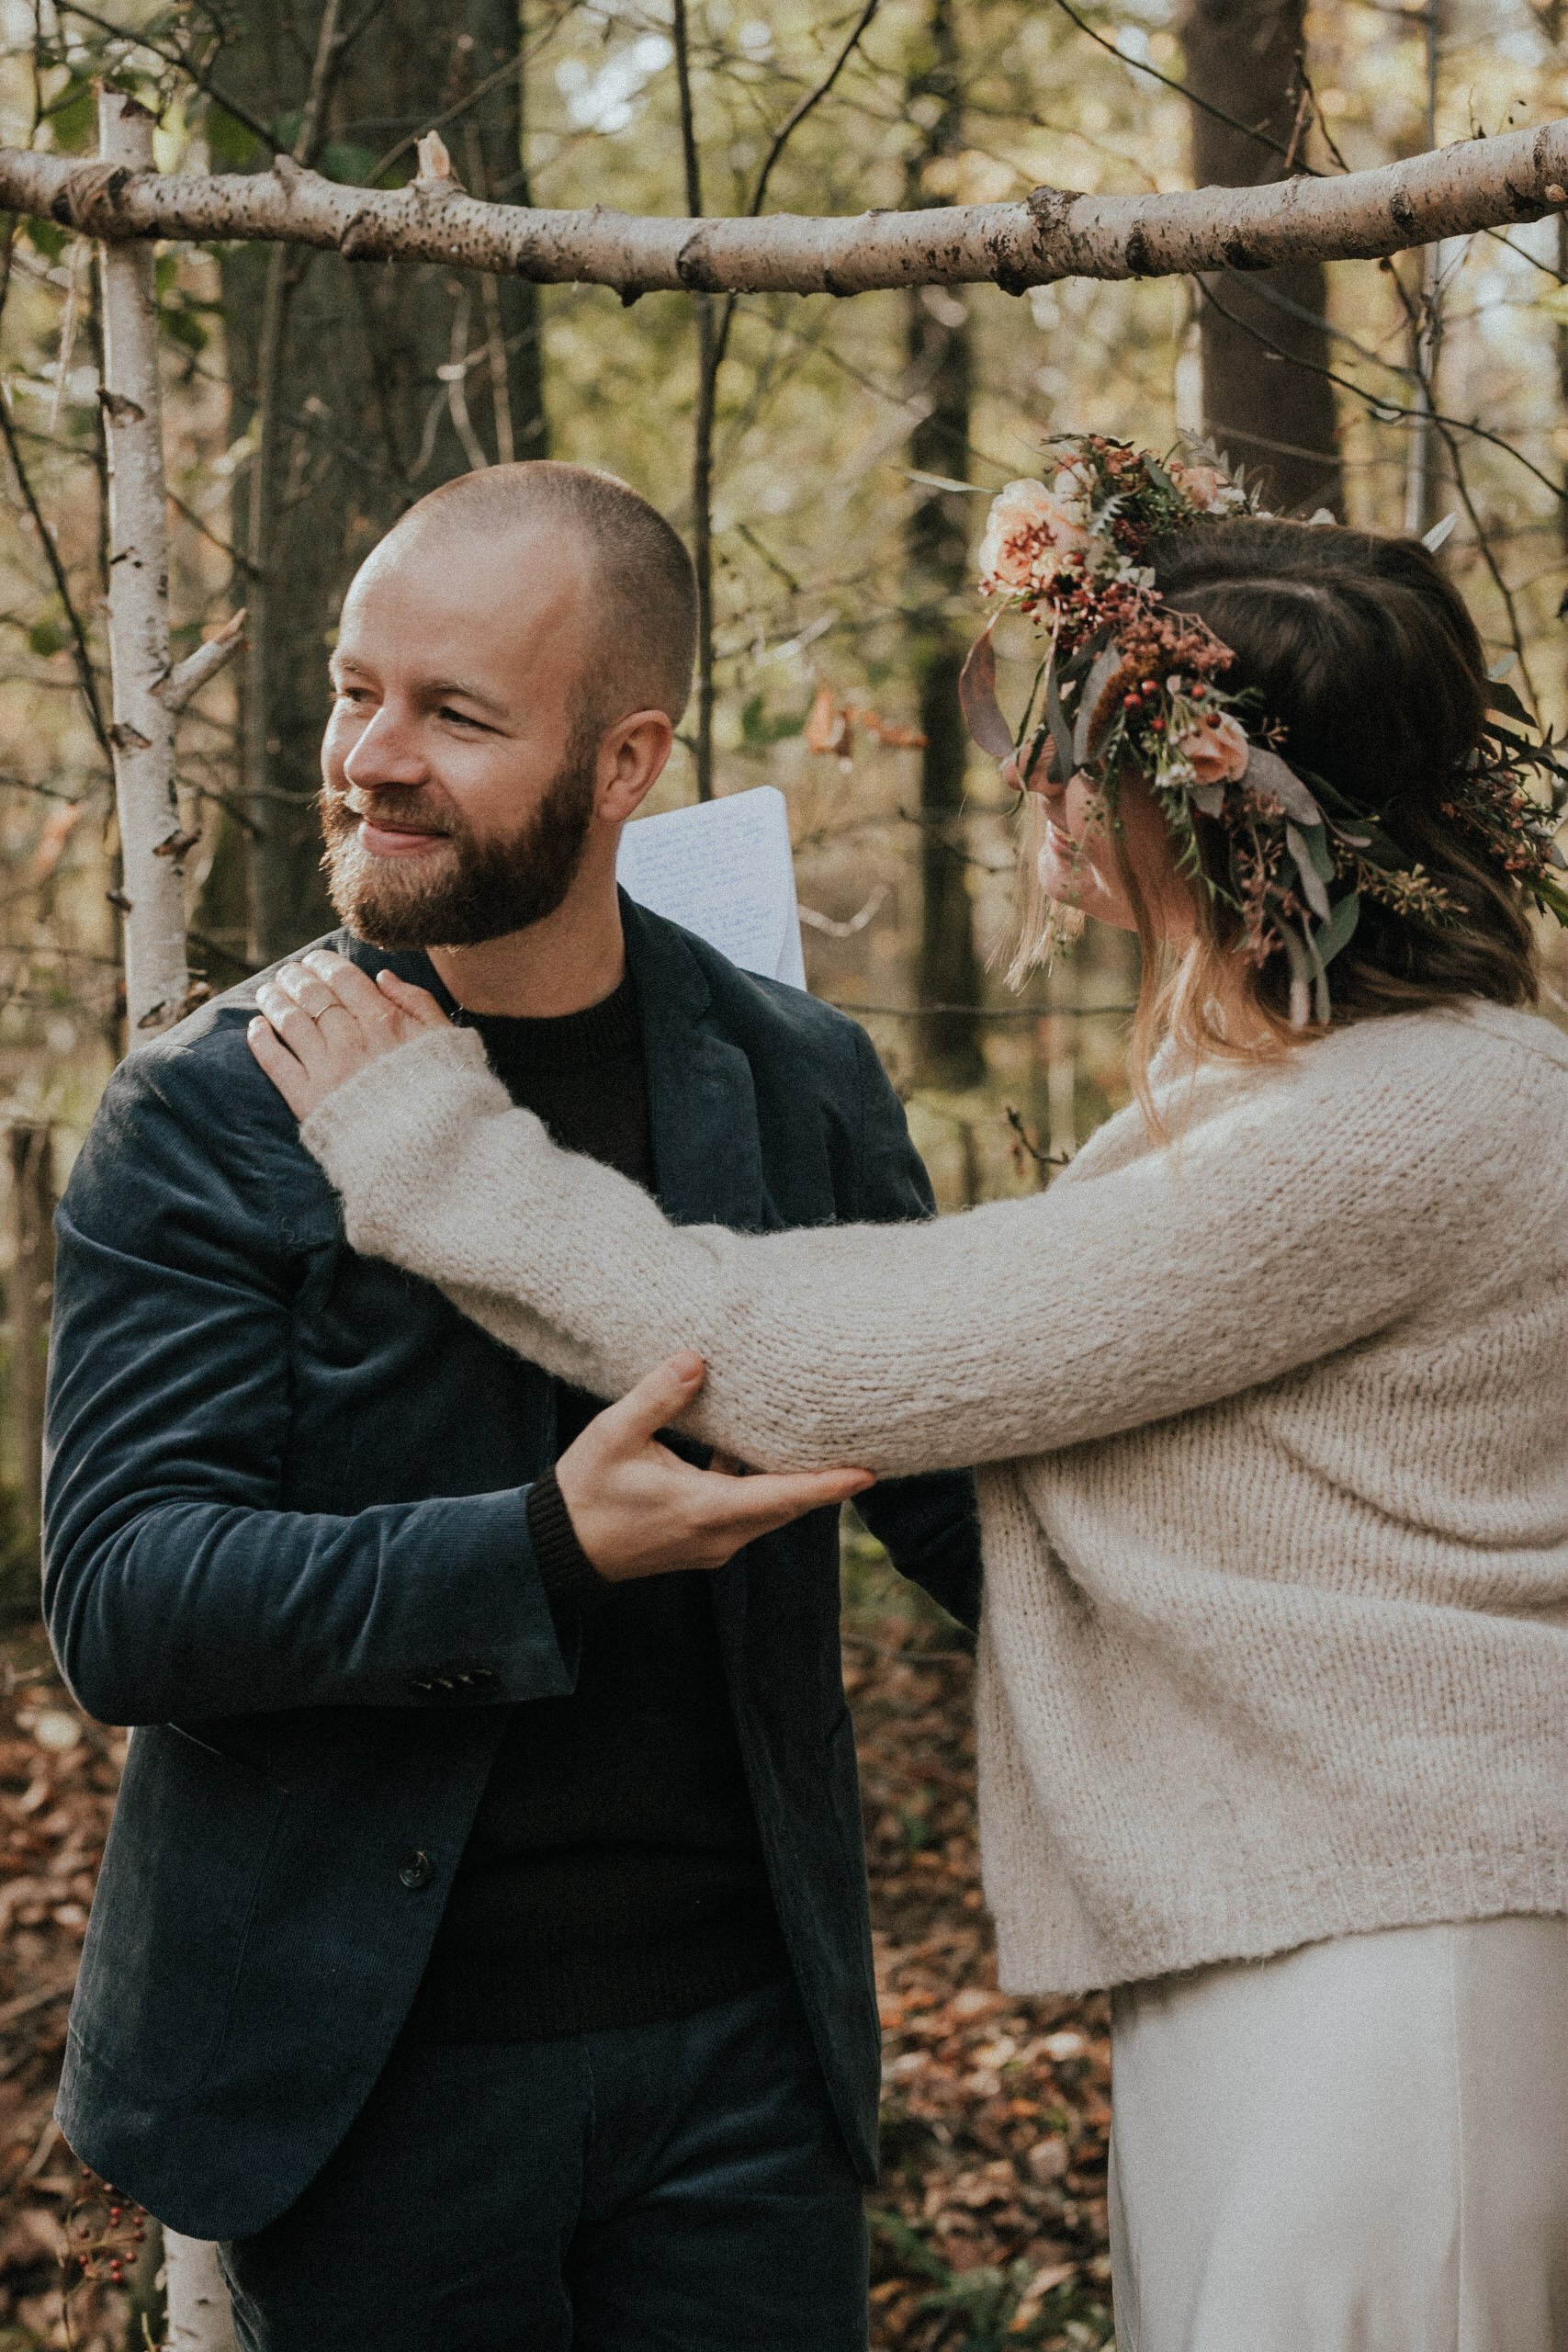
(1276,1519)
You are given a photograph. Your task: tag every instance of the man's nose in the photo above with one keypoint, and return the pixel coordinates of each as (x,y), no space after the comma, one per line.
(387,752)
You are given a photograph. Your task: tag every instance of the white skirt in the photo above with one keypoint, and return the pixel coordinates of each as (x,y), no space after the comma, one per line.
(1359,2146)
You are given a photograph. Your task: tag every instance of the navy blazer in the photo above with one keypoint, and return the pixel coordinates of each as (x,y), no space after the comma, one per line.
(286,1539)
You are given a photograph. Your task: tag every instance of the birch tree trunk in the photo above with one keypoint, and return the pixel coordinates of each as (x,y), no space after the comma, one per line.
(147,694)
(157,978)
(199,2316)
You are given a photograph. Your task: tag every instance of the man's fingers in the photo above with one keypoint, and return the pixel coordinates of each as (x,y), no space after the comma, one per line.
(759,1504)
(280,1066)
(659,1397)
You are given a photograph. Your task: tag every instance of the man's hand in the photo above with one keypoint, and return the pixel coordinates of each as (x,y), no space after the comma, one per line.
(322,1019)
(639,1510)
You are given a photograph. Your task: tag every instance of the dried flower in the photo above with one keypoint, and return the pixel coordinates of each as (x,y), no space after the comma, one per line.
(1216,749)
(1209,488)
(1029,534)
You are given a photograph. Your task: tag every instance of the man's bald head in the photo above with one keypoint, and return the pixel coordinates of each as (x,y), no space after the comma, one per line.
(640,595)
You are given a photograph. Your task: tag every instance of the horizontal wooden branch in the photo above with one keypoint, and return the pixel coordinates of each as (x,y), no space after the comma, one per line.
(1481,183)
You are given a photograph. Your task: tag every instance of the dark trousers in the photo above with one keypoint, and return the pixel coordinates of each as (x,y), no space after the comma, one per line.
(674,2188)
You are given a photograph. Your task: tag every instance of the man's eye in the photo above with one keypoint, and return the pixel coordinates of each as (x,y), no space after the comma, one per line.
(462,719)
(352,694)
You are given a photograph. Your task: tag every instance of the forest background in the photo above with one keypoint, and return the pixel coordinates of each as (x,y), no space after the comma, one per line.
(830,462)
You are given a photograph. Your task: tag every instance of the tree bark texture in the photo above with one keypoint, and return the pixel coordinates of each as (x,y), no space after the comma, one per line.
(1267,402)
(360,389)
(151,840)
(1054,233)
(199,2316)
(941,376)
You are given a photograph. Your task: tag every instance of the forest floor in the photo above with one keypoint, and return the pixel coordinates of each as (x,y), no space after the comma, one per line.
(988,2226)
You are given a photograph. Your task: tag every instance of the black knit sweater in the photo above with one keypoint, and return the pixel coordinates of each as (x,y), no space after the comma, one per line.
(613,1874)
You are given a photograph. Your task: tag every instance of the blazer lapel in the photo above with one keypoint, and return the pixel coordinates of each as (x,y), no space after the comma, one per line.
(708,1155)
(702,1104)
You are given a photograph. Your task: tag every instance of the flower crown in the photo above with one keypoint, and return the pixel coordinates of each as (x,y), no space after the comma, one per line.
(1126,681)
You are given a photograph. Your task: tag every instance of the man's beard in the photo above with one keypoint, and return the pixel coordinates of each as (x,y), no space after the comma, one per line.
(463,891)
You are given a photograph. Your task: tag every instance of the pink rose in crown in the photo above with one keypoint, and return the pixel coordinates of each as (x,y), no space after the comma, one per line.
(1029,531)
(1211,491)
(1217,751)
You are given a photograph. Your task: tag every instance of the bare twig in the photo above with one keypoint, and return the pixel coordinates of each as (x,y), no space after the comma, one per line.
(708,356)
(1392,412)
(182,64)
(809,104)
(85,676)
(187,676)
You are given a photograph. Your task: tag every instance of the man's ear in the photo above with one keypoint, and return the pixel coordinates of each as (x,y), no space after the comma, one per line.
(632,754)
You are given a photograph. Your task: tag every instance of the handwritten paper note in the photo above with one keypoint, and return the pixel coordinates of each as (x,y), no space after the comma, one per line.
(723,869)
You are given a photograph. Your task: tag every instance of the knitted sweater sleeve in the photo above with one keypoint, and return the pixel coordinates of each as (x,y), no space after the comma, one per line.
(1305,1213)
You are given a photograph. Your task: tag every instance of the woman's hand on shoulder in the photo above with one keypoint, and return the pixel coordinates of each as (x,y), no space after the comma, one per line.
(638,1510)
(322,1020)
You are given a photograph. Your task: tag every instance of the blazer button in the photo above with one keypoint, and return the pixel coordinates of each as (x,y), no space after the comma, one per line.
(415,1870)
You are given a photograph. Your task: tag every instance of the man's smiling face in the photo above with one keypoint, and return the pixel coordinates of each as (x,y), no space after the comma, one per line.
(458,764)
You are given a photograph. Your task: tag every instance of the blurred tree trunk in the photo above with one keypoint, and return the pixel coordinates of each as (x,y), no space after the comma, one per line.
(361,387)
(937,588)
(1274,416)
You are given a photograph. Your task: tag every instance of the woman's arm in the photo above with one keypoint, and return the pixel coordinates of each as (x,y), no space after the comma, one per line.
(1295,1219)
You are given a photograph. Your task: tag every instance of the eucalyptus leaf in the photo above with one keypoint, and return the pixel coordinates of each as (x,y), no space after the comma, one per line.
(1210,798)
(1061,734)
(1267,770)
(983,714)
(1320,1003)
(1320,850)
(1301,975)
(1312,890)
(1340,928)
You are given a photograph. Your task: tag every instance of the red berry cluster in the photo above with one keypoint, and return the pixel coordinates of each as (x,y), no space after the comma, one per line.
(106,2232)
